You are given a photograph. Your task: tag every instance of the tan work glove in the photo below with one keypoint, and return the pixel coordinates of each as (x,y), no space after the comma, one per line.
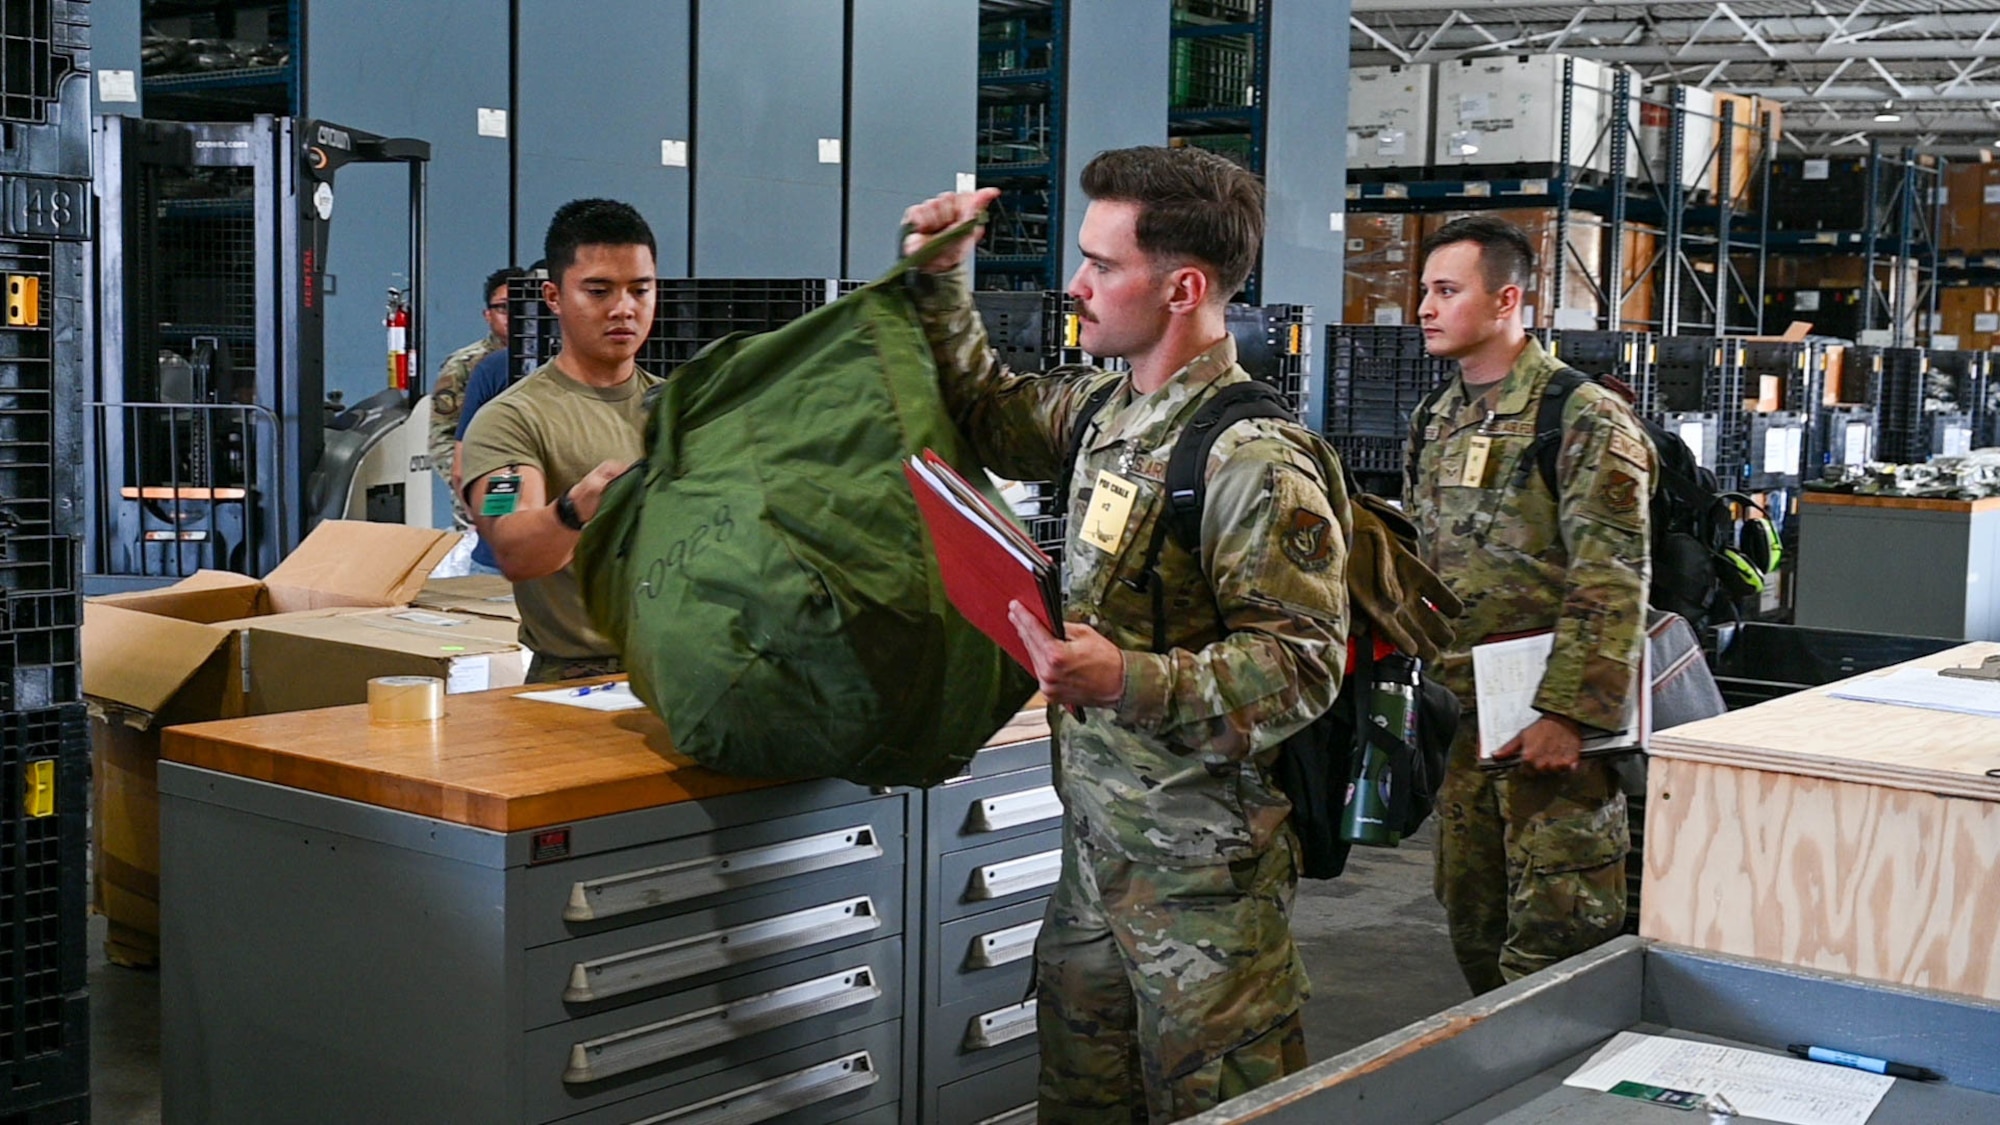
(1387,583)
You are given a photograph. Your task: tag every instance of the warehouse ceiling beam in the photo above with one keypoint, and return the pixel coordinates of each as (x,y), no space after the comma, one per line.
(1386,44)
(1790,93)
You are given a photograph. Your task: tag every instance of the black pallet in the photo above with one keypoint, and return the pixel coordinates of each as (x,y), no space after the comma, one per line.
(45,87)
(1376,377)
(1965,378)
(1837,201)
(1701,374)
(67,1111)
(39,664)
(1274,345)
(41,381)
(688,315)
(1624,356)
(44,1012)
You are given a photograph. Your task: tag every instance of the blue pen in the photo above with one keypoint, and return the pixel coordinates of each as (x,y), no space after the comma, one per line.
(594,688)
(1864,1062)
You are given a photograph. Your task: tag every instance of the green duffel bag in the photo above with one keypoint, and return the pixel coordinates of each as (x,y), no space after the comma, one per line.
(765,572)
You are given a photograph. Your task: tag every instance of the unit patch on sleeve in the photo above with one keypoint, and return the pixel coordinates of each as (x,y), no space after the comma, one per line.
(1618,491)
(1306,537)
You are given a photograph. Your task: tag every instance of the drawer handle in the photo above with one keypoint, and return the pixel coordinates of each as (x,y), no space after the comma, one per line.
(1012,810)
(1015,1021)
(787,1094)
(691,956)
(999,880)
(630,891)
(1003,947)
(596,1059)
(1019,1115)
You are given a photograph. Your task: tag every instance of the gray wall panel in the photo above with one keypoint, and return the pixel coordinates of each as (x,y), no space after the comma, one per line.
(1305,171)
(114,45)
(416,70)
(911,116)
(601,137)
(768,89)
(1116,94)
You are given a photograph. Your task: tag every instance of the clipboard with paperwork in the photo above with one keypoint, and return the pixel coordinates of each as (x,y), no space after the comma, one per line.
(986,560)
(1506,675)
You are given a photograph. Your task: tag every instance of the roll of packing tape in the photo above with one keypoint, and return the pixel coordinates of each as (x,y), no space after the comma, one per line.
(405,699)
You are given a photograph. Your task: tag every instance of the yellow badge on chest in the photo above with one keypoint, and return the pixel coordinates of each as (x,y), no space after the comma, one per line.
(1110,508)
(1476,453)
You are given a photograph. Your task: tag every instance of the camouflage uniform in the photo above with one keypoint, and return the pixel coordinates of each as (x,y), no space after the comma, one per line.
(1167,976)
(1530,867)
(446,395)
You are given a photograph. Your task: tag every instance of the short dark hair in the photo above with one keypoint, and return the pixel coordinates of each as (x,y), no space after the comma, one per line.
(1193,204)
(1506,256)
(496,279)
(593,222)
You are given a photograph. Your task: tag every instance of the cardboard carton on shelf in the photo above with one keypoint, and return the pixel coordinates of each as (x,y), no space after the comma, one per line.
(156,658)
(482,595)
(297,664)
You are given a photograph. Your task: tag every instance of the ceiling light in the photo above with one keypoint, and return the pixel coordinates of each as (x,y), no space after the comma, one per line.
(1888,113)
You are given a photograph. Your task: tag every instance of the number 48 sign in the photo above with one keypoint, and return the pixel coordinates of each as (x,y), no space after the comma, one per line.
(38,207)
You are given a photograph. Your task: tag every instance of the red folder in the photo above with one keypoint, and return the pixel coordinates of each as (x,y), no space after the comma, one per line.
(985,560)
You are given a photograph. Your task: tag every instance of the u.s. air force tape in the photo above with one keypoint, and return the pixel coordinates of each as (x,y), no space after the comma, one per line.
(405,699)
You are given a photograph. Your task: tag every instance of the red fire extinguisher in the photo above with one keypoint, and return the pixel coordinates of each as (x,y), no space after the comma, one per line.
(398,323)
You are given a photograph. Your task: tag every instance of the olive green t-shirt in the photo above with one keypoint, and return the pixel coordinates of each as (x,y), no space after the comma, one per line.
(564,428)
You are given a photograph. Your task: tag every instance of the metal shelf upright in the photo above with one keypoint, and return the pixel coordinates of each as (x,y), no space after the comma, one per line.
(1022,55)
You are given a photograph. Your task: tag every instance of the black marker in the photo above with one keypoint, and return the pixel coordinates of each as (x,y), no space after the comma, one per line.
(1863,1062)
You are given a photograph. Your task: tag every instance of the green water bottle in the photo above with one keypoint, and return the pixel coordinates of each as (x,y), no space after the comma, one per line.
(1392,707)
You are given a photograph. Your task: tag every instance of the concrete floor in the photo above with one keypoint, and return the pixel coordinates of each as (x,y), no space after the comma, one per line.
(1374,942)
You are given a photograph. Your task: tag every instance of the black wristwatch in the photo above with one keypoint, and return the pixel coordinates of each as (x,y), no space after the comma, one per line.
(566,512)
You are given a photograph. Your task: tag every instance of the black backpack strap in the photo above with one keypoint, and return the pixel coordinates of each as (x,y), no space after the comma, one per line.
(1092,407)
(1187,481)
(1547,445)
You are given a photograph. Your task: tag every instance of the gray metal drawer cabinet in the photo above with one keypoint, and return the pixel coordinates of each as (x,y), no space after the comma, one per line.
(1000,874)
(588,974)
(586,1063)
(979,810)
(822,1084)
(1004,1095)
(976,955)
(979,1033)
(593,893)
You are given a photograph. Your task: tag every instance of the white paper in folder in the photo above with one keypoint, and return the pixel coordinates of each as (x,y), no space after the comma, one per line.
(1922,687)
(1761,1087)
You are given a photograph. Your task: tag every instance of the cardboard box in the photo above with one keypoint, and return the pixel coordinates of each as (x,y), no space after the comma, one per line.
(1389,116)
(295,664)
(160,657)
(1381,268)
(483,595)
(1972,315)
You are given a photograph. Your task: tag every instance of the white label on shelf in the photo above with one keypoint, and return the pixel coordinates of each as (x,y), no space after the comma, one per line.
(1353,144)
(1336,221)
(1816,170)
(1943,195)
(1986,322)
(1943,342)
(1775,444)
(673,154)
(1357,245)
(1392,142)
(1394,254)
(1472,107)
(1855,445)
(1695,435)
(1957,440)
(829,150)
(1805,300)
(492,122)
(968,181)
(117,86)
(1990,193)
(1388,314)
(1464,143)
(1795,447)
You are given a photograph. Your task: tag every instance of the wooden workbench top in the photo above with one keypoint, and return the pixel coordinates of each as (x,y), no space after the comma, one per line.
(492,762)
(1898,503)
(1812,734)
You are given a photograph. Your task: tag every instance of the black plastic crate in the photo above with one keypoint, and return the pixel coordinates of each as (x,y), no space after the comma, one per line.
(1821,194)
(688,315)
(1274,345)
(1844,435)
(39,663)
(44,1014)
(1025,327)
(1778,448)
(1964,378)
(1378,461)
(1624,356)
(66,1111)
(41,451)
(1377,379)
(45,87)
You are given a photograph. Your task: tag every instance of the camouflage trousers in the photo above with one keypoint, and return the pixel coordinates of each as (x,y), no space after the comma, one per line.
(549,670)
(1530,867)
(1163,991)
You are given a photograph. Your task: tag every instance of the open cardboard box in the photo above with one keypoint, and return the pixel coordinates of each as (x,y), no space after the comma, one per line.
(175,655)
(298,663)
(485,595)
